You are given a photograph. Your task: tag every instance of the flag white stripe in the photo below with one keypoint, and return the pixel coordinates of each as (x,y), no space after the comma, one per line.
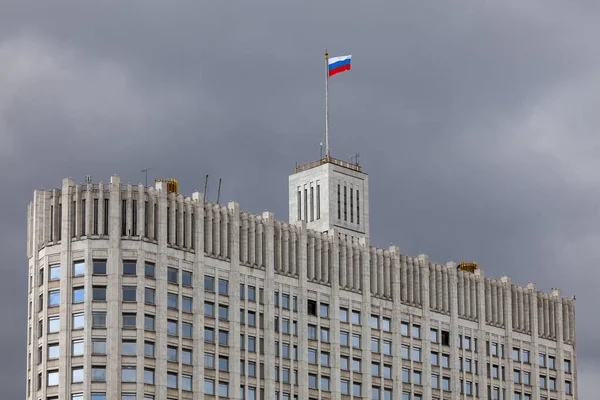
(337,59)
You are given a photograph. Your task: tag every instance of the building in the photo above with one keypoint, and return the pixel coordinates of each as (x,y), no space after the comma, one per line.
(141,293)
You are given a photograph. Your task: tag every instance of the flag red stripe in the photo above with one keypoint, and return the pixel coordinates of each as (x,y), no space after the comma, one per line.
(339,69)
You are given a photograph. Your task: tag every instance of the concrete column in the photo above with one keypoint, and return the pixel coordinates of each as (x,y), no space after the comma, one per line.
(535,369)
(259,244)
(208,229)
(190,224)
(560,354)
(488,301)
(349,265)
(439,288)
(417,283)
(252,240)
(244,239)
(269,357)
(388,275)
(179,225)
(461,293)
(334,338)
(78,224)
(467,294)
(285,250)
(377,262)
(574,354)
(501,305)
(225,239)
(445,291)
(294,263)
(129,208)
(366,316)
(410,281)
(216,210)
(198,304)
(474,313)
(151,216)
(234,304)
(404,279)
(278,237)
(454,376)
(113,317)
(326,268)
(141,211)
(89,210)
(424,264)
(172,219)
(546,315)
(396,321)
(66,277)
(343,264)
(317,256)
(302,311)
(358,284)
(432,292)
(310,257)
(481,355)
(506,285)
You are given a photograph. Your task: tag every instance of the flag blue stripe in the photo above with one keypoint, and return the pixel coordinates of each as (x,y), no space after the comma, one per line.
(339,64)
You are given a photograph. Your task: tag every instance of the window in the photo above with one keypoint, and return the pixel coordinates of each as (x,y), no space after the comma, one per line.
(542,360)
(149,376)
(223,338)
(251,318)
(172,380)
(526,356)
(416,331)
(551,362)
(223,287)
(129,320)
(311,307)
(552,383)
(435,358)
(186,382)
(149,322)
(129,293)
(53,351)
(343,314)
(312,381)
(78,295)
(149,349)
(446,383)
(99,293)
(224,363)
(344,363)
(312,333)
(416,354)
(567,366)
(526,378)
(209,310)
(223,312)
(375,345)
(173,301)
(405,352)
(187,330)
(128,374)
(433,335)
(445,361)
(98,373)
(186,304)
(149,295)
(79,321)
(186,278)
(325,359)
(404,328)
(209,360)
(78,268)
(387,348)
(355,317)
(172,353)
(375,369)
(54,298)
(77,374)
(172,327)
(209,386)
(325,383)
(356,389)
(209,285)
(149,270)
(54,272)
(186,356)
(77,347)
(129,267)
(375,321)
(542,381)
(516,355)
(356,365)
(386,324)
(99,346)
(209,335)
(324,310)
(325,335)
(172,275)
(568,387)
(356,340)
(223,389)
(252,294)
(435,381)
(516,376)
(345,387)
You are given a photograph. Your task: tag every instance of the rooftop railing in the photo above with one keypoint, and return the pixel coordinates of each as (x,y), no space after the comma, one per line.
(328,160)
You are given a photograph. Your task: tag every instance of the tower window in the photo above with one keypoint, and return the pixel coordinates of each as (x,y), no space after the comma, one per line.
(60,221)
(345,205)
(95,217)
(299,205)
(83,217)
(51,222)
(318,201)
(357,208)
(351,206)
(305,204)
(339,206)
(73,215)
(124,217)
(134,218)
(146,216)
(106,216)
(312,203)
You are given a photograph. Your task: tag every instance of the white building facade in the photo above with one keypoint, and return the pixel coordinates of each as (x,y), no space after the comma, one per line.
(141,293)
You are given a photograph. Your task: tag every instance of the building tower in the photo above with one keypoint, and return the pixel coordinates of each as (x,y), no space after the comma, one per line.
(330,193)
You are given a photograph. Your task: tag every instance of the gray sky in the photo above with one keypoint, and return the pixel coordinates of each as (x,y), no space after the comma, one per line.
(476,121)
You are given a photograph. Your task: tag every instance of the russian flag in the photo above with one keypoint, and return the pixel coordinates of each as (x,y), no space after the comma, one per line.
(339,64)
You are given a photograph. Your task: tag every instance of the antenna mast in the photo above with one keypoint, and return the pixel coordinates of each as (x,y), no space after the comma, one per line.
(205,186)
(219,191)
(146,172)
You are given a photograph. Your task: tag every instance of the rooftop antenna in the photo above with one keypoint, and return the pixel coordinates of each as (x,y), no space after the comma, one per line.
(219,191)
(145,171)
(205,186)
(354,159)
(321,145)
(88,179)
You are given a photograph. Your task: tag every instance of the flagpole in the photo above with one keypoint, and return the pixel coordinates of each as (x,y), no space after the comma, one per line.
(326,104)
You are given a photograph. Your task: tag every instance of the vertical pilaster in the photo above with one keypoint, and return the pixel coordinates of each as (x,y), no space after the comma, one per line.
(454,377)
(269,307)
(334,338)
(506,285)
(302,311)
(198,277)
(535,369)
(166,206)
(425,324)
(234,304)
(481,355)
(365,318)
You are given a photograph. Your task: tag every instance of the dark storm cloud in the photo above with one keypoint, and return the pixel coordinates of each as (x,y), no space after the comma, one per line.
(477,124)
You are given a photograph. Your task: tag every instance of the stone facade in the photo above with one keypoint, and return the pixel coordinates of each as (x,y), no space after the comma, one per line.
(161,296)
